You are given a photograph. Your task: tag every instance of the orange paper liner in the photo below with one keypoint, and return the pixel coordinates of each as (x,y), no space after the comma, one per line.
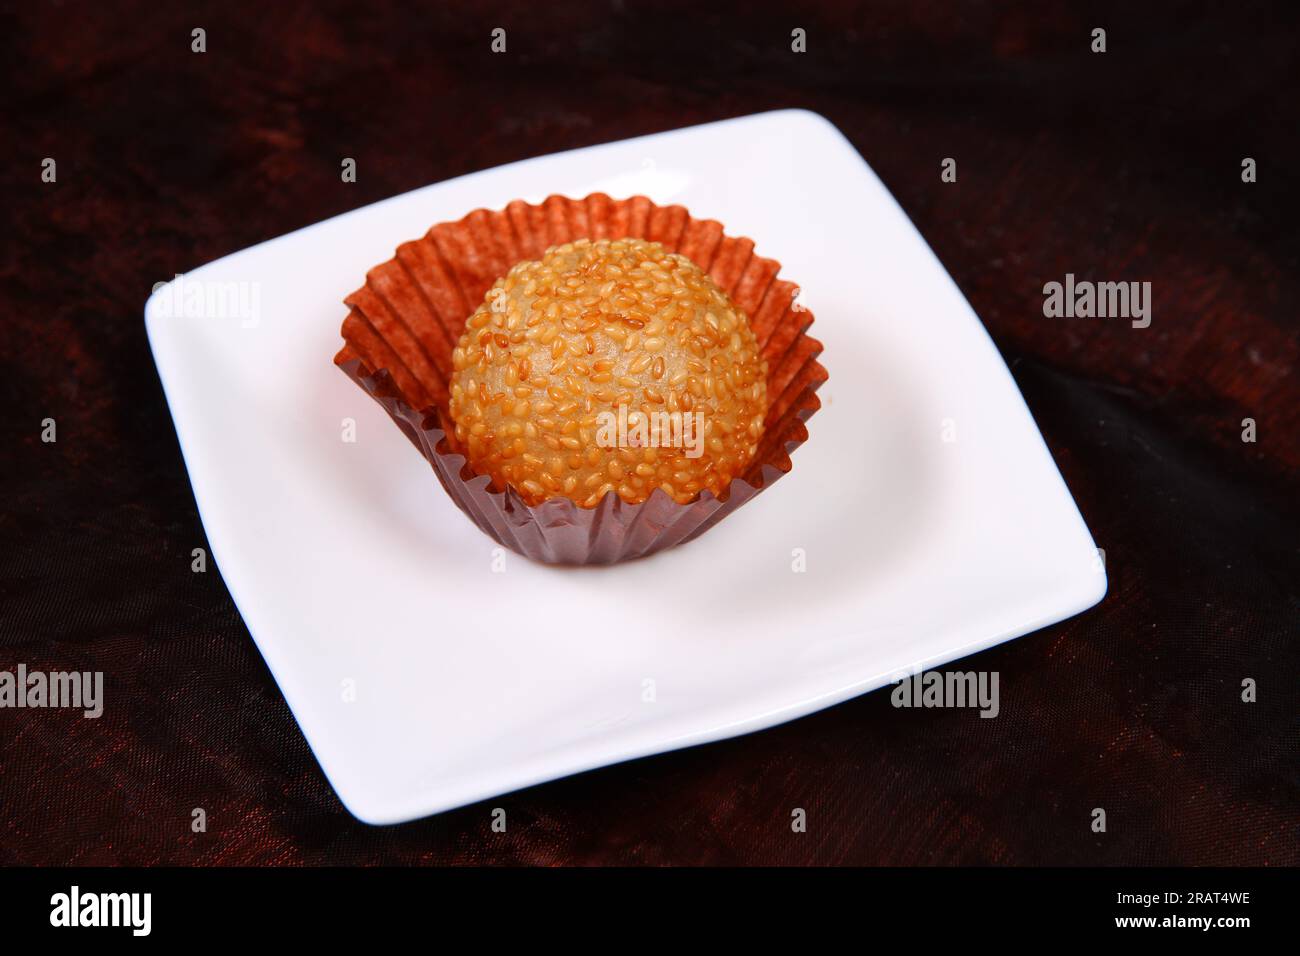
(405,322)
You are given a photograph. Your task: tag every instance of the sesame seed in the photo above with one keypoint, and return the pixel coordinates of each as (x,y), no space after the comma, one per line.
(600,323)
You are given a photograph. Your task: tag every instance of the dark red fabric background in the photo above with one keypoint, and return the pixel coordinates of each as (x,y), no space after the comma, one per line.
(1122,166)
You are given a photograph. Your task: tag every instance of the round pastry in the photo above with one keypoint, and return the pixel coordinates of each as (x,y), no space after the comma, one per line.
(608,365)
(552,425)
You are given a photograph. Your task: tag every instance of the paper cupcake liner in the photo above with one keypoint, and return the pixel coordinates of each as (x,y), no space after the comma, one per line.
(405,322)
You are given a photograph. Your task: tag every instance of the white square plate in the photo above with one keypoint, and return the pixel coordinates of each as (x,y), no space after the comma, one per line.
(932,520)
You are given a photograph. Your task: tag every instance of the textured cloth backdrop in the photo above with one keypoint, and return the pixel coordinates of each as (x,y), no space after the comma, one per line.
(1117,166)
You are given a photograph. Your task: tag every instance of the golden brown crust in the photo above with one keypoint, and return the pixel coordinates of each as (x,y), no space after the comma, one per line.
(431,286)
(611,365)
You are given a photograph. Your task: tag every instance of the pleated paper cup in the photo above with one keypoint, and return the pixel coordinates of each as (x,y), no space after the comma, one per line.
(405,321)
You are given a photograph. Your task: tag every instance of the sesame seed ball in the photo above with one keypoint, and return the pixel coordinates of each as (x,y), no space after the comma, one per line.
(608,365)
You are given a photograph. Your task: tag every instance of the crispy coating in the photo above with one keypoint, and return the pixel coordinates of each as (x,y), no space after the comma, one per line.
(608,365)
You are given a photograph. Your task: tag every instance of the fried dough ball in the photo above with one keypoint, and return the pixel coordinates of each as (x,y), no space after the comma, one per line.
(608,366)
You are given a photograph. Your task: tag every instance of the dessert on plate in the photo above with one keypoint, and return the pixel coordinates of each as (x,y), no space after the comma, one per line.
(592,380)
